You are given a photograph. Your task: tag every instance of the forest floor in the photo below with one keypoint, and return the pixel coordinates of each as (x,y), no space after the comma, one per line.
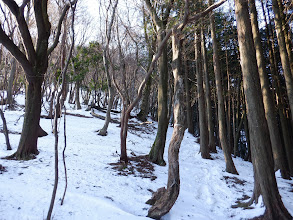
(100,188)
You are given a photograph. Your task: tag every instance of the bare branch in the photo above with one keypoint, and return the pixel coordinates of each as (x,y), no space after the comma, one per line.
(23,28)
(56,41)
(14,50)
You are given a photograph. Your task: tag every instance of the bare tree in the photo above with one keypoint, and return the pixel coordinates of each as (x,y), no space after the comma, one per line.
(34,63)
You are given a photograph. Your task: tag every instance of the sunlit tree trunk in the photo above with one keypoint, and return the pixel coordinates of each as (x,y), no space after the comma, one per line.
(259,133)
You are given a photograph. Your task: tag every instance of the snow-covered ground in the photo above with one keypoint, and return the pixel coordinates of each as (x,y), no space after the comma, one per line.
(96,191)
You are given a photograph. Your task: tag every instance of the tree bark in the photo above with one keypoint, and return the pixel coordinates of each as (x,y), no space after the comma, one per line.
(77,98)
(203,128)
(259,134)
(283,54)
(169,196)
(10,83)
(275,136)
(230,167)
(188,99)
(156,154)
(212,143)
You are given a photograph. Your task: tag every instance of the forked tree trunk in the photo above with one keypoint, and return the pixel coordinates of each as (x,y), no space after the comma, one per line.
(167,197)
(230,167)
(103,131)
(203,128)
(259,134)
(275,136)
(156,154)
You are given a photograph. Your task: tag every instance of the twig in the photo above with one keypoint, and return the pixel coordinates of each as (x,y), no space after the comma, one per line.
(63,154)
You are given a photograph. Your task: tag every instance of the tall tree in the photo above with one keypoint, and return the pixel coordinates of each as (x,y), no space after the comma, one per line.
(283,53)
(212,143)
(111,90)
(203,126)
(160,20)
(230,167)
(275,136)
(34,63)
(264,176)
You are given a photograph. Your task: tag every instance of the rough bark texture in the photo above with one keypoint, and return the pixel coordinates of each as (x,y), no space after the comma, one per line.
(230,167)
(283,54)
(157,152)
(212,143)
(203,128)
(275,136)
(259,134)
(167,197)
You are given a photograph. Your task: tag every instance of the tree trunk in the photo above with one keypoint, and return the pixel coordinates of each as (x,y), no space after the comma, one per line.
(230,167)
(10,83)
(269,107)
(203,128)
(259,134)
(27,147)
(169,196)
(212,143)
(156,154)
(77,99)
(103,131)
(283,54)
(188,100)
(5,130)
(123,133)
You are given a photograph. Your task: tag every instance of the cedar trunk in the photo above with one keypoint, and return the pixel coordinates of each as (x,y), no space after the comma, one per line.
(203,128)
(275,136)
(259,134)
(230,167)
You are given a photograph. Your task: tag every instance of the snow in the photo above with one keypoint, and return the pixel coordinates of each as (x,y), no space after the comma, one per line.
(95,191)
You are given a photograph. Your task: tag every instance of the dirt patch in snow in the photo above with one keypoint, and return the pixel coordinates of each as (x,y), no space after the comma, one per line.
(138,166)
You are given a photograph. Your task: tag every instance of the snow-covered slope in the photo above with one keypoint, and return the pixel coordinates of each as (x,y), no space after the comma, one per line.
(96,191)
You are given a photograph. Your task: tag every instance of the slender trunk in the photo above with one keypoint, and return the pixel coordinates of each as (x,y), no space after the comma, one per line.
(77,99)
(123,133)
(204,134)
(188,100)
(259,133)
(230,167)
(269,107)
(157,152)
(169,196)
(10,83)
(212,143)
(5,130)
(103,131)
